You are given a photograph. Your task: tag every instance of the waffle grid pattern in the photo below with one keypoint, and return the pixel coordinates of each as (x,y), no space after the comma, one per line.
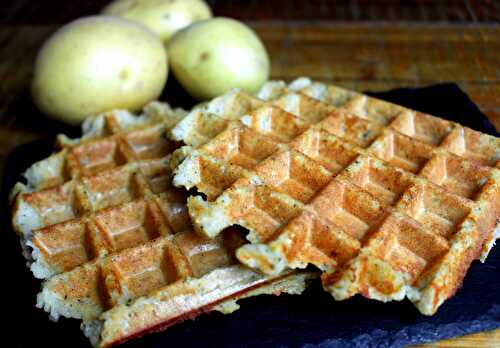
(64,214)
(108,232)
(388,202)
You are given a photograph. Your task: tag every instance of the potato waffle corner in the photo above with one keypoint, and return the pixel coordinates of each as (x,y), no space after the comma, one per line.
(113,239)
(387,202)
(120,158)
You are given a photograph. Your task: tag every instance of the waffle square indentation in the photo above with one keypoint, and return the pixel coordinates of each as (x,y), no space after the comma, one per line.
(426,128)
(350,128)
(65,245)
(457,175)
(384,182)
(293,173)
(348,207)
(139,271)
(110,188)
(94,157)
(240,146)
(402,151)
(407,245)
(374,110)
(128,225)
(148,144)
(475,146)
(56,204)
(434,208)
(275,123)
(204,254)
(261,209)
(305,107)
(325,149)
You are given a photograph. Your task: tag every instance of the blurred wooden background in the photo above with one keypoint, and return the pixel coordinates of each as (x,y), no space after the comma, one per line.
(364,45)
(446,11)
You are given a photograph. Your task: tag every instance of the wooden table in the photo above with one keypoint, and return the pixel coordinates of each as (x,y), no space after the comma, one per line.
(360,52)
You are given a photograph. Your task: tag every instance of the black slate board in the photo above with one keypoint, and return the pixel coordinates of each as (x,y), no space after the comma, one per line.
(310,320)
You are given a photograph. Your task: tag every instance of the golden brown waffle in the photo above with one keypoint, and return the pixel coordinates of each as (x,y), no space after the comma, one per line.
(387,202)
(113,239)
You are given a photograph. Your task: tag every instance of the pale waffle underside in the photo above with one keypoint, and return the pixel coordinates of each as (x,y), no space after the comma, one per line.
(386,201)
(113,238)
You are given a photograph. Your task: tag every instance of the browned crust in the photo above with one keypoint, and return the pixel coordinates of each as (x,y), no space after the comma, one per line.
(195,313)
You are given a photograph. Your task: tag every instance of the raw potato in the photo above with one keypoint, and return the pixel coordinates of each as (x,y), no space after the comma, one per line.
(98,63)
(210,57)
(163,17)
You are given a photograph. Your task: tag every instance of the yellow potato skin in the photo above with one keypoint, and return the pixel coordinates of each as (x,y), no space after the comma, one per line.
(95,64)
(210,57)
(164,17)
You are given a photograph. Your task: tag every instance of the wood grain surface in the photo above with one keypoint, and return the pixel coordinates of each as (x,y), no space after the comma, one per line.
(361,46)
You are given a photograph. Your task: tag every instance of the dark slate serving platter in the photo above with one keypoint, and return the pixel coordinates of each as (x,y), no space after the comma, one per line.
(310,320)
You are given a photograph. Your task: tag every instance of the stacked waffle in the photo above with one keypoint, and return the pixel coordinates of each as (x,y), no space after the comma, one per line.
(387,202)
(101,223)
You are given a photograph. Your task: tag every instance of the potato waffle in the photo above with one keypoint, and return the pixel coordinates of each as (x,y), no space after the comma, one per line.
(388,202)
(113,240)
